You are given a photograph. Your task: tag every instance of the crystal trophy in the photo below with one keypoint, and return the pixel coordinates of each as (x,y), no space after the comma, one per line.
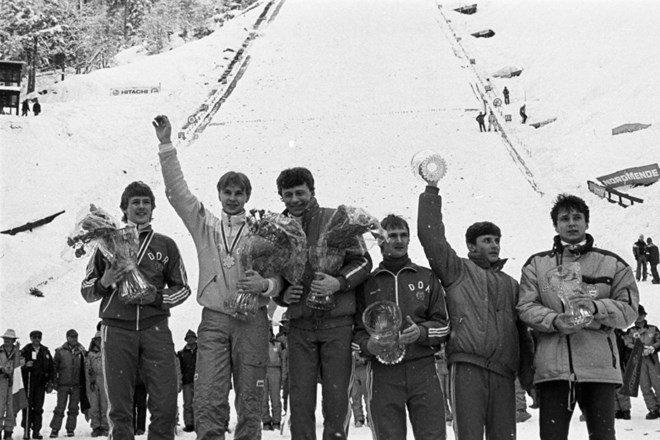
(428,165)
(382,320)
(566,281)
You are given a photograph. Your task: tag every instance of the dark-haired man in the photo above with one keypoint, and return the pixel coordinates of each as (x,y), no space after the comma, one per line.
(135,334)
(411,383)
(319,341)
(37,375)
(488,346)
(576,360)
(227,344)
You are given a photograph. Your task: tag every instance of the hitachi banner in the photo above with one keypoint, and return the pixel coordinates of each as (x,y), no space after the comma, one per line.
(632,176)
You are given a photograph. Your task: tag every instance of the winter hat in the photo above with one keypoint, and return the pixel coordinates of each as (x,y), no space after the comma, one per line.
(190,334)
(481,228)
(136,189)
(10,334)
(35,334)
(640,310)
(71,333)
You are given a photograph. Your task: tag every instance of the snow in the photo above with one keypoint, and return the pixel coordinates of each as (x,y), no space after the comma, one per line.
(351,90)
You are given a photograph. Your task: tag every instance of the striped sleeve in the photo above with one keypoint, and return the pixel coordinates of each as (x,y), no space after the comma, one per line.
(436,329)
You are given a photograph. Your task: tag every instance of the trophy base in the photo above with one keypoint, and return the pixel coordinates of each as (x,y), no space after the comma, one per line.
(393,356)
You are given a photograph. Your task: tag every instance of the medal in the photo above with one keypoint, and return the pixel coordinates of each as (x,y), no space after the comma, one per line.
(228,260)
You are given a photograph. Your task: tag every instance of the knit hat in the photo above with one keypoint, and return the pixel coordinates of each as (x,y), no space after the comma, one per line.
(10,334)
(190,334)
(35,333)
(71,333)
(640,310)
(136,189)
(481,228)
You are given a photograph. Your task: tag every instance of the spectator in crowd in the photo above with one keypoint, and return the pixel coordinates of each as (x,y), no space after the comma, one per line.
(575,361)
(492,121)
(488,346)
(272,402)
(410,382)
(622,405)
(37,375)
(319,340)
(480,119)
(98,402)
(505,92)
(523,113)
(639,251)
(653,257)
(69,382)
(228,345)
(443,375)
(649,377)
(10,360)
(282,338)
(140,406)
(359,390)
(25,108)
(135,332)
(36,107)
(187,360)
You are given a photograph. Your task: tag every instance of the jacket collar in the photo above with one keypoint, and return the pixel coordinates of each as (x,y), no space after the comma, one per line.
(233,220)
(307,214)
(560,248)
(485,264)
(408,266)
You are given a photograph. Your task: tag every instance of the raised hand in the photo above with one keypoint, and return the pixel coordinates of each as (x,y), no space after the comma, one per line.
(163,129)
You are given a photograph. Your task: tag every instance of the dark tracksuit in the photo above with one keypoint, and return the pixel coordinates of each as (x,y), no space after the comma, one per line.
(319,342)
(138,337)
(413,383)
(35,380)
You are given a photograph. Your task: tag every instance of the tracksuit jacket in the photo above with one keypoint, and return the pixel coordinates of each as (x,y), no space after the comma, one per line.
(589,355)
(161,264)
(481,299)
(418,294)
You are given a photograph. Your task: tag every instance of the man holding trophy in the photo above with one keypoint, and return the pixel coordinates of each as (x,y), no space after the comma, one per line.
(488,345)
(574,296)
(402,367)
(135,333)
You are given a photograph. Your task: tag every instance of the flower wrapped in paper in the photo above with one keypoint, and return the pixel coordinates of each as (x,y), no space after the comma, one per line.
(566,281)
(275,245)
(350,230)
(99,230)
(383,320)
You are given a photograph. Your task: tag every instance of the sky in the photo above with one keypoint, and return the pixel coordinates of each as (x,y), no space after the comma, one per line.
(351,90)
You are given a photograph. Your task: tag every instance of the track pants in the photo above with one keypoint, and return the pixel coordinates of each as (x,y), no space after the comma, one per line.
(152,352)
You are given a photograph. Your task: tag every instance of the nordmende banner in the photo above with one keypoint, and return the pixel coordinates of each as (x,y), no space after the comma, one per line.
(644,175)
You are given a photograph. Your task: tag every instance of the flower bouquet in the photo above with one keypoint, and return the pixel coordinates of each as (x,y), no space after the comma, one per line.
(99,230)
(274,245)
(566,281)
(382,321)
(344,234)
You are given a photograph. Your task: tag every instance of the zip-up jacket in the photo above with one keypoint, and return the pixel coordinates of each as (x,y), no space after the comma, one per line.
(187,363)
(41,371)
(216,282)
(161,264)
(591,354)
(417,292)
(69,365)
(648,334)
(481,299)
(94,367)
(355,270)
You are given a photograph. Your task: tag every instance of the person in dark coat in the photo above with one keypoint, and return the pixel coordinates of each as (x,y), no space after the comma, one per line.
(37,375)
(188,360)
(505,92)
(523,113)
(36,107)
(25,108)
(480,120)
(639,251)
(653,258)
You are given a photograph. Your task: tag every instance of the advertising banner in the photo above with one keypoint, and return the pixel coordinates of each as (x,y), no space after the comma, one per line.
(644,175)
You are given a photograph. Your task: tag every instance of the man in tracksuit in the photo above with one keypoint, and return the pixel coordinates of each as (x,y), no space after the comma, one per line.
(319,340)
(137,336)
(488,346)
(412,383)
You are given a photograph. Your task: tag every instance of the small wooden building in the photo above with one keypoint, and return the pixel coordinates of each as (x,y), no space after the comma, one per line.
(10,86)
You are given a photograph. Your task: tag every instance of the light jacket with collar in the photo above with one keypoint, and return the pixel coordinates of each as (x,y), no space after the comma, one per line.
(481,299)
(216,282)
(69,365)
(161,264)
(417,292)
(591,354)
(356,268)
